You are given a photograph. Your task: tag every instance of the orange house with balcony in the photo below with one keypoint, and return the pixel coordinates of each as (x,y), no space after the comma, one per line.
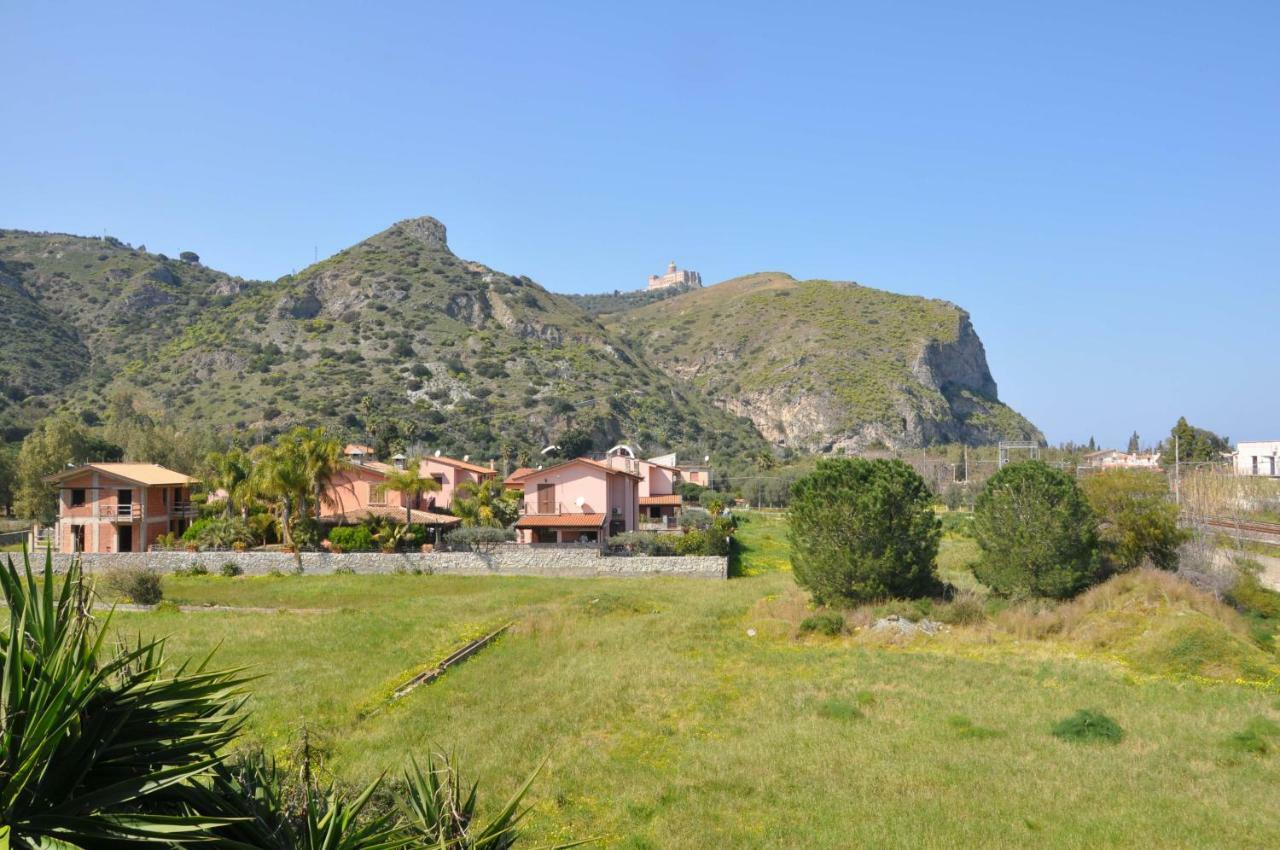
(120,507)
(578,501)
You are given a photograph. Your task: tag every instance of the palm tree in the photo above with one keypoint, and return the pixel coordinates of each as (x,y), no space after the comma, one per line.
(409,483)
(231,471)
(486,503)
(280,473)
(322,458)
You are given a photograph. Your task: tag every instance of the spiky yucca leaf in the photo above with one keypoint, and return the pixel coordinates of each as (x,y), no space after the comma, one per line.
(442,810)
(94,743)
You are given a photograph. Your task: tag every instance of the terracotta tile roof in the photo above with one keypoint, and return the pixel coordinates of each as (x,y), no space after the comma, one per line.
(561,521)
(463,464)
(356,449)
(666,499)
(390,512)
(519,475)
(146,474)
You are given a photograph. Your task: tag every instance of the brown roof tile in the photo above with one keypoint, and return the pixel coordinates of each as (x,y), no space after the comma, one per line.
(561,521)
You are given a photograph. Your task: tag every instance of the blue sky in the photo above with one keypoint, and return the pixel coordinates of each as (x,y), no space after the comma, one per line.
(1095,182)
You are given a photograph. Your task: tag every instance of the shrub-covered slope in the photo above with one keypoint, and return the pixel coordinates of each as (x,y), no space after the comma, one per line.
(822,365)
(395,334)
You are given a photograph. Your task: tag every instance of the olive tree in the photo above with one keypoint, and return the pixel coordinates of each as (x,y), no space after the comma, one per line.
(1037,533)
(862,530)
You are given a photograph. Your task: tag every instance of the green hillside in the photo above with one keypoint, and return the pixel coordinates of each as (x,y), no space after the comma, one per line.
(394,336)
(824,365)
(398,341)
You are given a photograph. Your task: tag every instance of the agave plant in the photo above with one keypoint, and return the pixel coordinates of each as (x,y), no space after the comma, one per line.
(264,813)
(442,810)
(97,742)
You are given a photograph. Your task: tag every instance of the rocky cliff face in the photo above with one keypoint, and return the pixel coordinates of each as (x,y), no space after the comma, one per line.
(827,367)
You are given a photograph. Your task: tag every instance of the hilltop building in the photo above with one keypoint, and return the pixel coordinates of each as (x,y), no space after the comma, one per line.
(675,277)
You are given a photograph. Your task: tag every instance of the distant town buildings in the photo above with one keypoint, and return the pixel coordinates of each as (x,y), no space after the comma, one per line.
(675,277)
(1257,457)
(1115,459)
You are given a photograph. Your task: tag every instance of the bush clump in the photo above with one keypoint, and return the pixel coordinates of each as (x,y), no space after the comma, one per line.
(195,569)
(352,538)
(1037,533)
(1137,521)
(230,570)
(827,623)
(862,530)
(1088,727)
(644,542)
(139,585)
(477,537)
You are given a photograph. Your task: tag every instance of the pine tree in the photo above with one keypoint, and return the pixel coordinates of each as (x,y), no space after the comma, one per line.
(1133,443)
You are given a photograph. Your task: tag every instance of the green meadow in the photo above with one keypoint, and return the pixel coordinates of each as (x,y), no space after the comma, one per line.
(693,714)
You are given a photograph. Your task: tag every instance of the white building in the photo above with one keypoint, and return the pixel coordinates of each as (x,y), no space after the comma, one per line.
(1114,459)
(1257,457)
(675,277)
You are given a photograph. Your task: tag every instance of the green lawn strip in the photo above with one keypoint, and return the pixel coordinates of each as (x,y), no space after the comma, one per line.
(668,726)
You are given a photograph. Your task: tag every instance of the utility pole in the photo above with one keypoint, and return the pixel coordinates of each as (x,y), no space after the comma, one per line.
(1177,471)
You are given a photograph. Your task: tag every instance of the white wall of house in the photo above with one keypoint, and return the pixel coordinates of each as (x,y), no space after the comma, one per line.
(1258,457)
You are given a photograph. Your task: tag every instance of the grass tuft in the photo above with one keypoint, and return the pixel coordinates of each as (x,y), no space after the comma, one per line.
(1088,727)
(1259,737)
(966,728)
(836,709)
(827,623)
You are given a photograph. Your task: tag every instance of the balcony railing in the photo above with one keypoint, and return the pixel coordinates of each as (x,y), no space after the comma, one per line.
(120,513)
(182,510)
(539,508)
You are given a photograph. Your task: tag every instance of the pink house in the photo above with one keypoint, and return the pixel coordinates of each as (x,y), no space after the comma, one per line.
(449,473)
(355,493)
(120,507)
(660,504)
(578,501)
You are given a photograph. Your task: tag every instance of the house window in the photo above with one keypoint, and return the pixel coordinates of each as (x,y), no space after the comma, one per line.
(438,478)
(77,497)
(77,538)
(545,535)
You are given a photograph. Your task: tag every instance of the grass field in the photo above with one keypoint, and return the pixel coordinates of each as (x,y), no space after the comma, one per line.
(669,724)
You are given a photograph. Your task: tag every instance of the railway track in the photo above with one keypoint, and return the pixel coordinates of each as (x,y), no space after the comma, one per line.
(1268,532)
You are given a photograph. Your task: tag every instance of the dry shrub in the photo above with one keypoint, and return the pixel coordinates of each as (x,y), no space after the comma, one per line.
(1203,564)
(965,608)
(137,584)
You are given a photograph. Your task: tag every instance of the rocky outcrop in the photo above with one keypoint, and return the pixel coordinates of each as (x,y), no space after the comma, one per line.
(427,230)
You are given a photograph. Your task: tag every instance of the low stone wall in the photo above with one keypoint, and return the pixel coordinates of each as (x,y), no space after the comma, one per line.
(504,560)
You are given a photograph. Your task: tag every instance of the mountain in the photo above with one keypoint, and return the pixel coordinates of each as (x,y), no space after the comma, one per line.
(393,337)
(399,341)
(822,366)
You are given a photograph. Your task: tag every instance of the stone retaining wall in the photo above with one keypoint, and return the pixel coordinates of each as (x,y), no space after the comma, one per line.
(504,560)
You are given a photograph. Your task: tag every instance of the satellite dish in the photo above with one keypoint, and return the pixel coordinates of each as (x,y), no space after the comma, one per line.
(706,458)
(437,453)
(580,501)
(466,458)
(550,448)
